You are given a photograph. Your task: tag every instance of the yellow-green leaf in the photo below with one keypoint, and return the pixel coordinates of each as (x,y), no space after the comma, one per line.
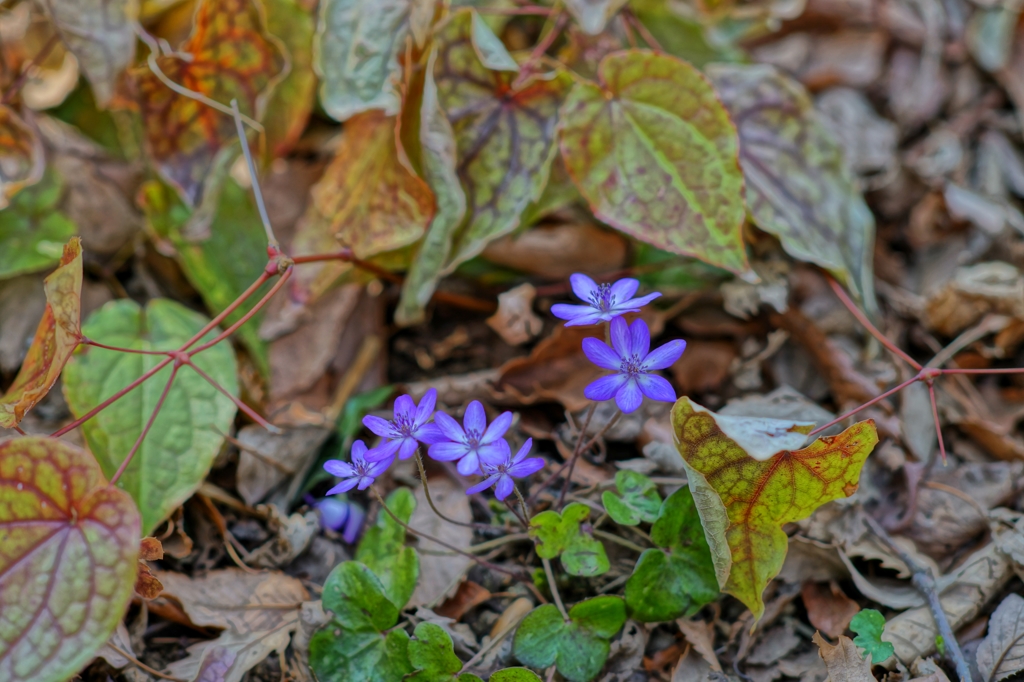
(759,495)
(655,154)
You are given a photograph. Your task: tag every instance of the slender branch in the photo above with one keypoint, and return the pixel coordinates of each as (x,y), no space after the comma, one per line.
(142,666)
(924,581)
(866,405)
(643,31)
(862,318)
(245,318)
(498,542)
(582,446)
(935,416)
(554,588)
(522,505)
(251,413)
(254,179)
(146,428)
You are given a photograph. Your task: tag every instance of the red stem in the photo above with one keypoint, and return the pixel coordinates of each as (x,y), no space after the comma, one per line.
(935,415)
(90,342)
(264,276)
(852,307)
(145,430)
(867,404)
(1006,370)
(238,403)
(245,318)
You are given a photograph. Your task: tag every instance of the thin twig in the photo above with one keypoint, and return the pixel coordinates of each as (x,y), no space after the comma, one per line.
(554,588)
(611,537)
(580,449)
(142,666)
(498,542)
(862,318)
(924,581)
(430,501)
(272,242)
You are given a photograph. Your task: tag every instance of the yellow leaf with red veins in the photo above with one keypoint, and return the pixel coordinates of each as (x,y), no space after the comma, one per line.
(368,200)
(748,479)
(57,336)
(229,55)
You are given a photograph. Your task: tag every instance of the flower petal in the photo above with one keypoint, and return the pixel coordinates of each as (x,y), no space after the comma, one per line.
(583,286)
(523,451)
(493,454)
(600,354)
(483,485)
(505,487)
(408,447)
(475,418)
(358,452)
(381,427)
(636,303)
(567,311)
(426,407)
(448,452)
(404,407)
(343,487)
(527,467)
(365,482)
(383,451)
(356,516)
(639,338)
(333,513)
(629,397)
(620,338)
(428,434)
(586,320)
(449,427)
(606,387)
(624,288)
(656,388)
(468,465)
(497,428)
(378,468)
(336,467)
(664,356)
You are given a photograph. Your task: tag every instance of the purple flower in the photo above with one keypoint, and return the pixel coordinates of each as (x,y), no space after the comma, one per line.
(632,364)
(338,514)
(407,430)
(360,472)
(605,301)
(500,469)
(471,444)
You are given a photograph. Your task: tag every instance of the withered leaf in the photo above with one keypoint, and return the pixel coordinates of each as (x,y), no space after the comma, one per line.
(21,155)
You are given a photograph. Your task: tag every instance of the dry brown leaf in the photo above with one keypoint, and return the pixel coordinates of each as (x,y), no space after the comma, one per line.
(122,640)
(701,635)
(515,322)
(468,596)
(267,459)
(557,251)
(704,366)
(441,570)
(691,668)
(258,611)
(973,291)
(828,607)
(843,660)
(512,614)
(1001,653)
(292,535)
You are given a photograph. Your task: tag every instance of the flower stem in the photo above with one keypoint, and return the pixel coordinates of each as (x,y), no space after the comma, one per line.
(522,505)
(430,501)
(583,445)
(554,589)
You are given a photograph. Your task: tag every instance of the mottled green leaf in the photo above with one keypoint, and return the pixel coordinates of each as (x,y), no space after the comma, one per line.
(432,654)
(638,499)
(101,34)
(577,648)
(21,155)
(353,645)
(221,246)
(682,36)
(504,135)
(69,544)
(561,534)
(33,229)
(177,453)
(356,55)
(653,151)
(677,579)
(489,48)
(383,549)
(799,186)
(593,15)
(514,675)
(293,23)
(869,624)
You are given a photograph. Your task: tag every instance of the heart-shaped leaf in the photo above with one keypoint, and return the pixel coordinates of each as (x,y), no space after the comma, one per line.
(32,228)
(356,55)
(675,581)
(354,645)
(383,549)
(230,56)
(21,154)
(177,453)
(799,186)
(869,624)
(655,154)
(68,557)
(638,499)
(579,647)
(514,675)
(744,500)
(101,35)
(57,336)
(432,654)
(561,534)
(504,132)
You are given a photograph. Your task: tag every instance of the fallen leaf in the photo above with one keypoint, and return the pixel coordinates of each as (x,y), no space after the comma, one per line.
(101,34)
(972,292)
(22,155)
(266,459)
(504,134)
(747,481)
(230,57)
(559,250)
(644,155)
(441,569)
(776,642)
(843,660)
(828,607)
(468,596)
(120,639)
(70,543)
(1001,653)
(515,322)
(258,612)
(701,636)
(57,336)
(869,141)
(293,534)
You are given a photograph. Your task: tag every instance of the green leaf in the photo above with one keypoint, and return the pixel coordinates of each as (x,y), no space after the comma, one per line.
(383,549)
(675,581)
(681,36)
(353,645)
(432,654)
(561,534)
(799,186)
(655,155)
(579,647)
(32,228)
(356,55)
(514,675)
(869,624)
(293,23)
(179,449)
(489,48)
(639,499)
(70,548)
(221,246)
(504,135)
